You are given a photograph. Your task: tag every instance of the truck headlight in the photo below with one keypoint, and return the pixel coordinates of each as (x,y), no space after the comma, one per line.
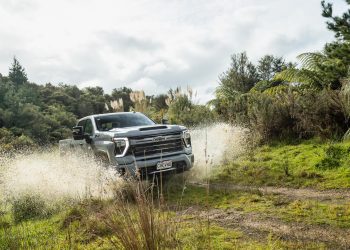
(186,136)
(121,146)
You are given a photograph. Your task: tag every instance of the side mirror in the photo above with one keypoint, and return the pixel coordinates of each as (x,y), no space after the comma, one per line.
(165,121)
(78,133)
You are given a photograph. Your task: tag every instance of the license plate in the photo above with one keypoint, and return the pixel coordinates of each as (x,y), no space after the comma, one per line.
(164,165)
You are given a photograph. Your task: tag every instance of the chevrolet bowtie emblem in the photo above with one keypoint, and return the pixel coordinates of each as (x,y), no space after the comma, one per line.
(159,138)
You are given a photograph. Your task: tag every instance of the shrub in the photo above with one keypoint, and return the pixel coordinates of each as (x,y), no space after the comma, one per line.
(29,207)
(332,158)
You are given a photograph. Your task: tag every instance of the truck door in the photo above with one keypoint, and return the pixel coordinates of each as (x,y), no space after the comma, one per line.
(84,146)
(89,131)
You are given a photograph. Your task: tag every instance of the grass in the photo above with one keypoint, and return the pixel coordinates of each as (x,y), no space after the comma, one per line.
(49,234)
(267,205)
(313,164)
(136,224)
(139,221)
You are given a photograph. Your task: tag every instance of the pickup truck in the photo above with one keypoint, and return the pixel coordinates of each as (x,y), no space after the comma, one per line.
(132,143)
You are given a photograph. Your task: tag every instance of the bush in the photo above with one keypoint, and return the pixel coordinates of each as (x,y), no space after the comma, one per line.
(332,158)
(29,207)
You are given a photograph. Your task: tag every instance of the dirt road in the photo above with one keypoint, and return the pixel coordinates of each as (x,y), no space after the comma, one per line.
(342,195)
(256,226)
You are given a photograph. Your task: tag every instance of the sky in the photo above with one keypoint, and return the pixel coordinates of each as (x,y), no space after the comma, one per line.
(153,45)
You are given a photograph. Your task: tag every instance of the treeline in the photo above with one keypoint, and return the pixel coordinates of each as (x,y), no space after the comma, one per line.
(282,100)
(274,98)
(32,114)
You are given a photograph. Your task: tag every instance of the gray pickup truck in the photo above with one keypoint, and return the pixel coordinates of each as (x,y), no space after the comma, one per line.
(132,143)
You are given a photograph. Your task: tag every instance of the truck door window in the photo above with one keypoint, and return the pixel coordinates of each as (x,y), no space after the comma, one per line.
(88,129)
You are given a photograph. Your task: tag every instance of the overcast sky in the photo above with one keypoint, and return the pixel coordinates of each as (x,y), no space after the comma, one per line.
(152,45)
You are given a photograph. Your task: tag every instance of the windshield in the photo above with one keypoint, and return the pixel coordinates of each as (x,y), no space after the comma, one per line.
(122,120)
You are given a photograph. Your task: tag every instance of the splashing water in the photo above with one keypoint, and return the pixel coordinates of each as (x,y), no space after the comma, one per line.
(54,177)
(216,144)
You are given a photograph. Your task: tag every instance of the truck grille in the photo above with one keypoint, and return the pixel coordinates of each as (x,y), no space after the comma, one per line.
(156,144)
(144,172)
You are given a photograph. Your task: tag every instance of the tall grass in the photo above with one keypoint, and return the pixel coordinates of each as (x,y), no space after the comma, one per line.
(138,222)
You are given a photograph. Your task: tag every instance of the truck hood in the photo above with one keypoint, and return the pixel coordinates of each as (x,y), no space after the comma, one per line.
(145,130)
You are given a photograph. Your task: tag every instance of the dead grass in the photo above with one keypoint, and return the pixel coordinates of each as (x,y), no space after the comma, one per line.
(139,222)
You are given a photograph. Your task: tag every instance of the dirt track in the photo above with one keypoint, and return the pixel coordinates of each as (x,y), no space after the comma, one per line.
(301,194)
(258,225)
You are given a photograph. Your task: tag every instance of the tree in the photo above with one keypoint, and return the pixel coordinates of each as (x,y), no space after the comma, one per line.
(339,24)
(328,68)
(339,49)
(17,73)
(124,94)
(159,102)
(239,78)
(269,65)
(310,73)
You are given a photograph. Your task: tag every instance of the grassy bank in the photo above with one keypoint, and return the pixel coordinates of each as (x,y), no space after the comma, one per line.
(321,165)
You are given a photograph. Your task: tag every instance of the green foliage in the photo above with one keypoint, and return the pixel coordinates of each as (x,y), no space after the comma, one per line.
(239,78)
(278,99)
(269,65)
(29,207)
(338,24)
(318,71)
(183,111)
(124,94)
(332,157)
(43,114)
(308,163)
(10,142)
(17,73)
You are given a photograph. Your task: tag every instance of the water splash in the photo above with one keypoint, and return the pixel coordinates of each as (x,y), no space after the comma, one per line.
(54,177)
(76,177)
(216,144)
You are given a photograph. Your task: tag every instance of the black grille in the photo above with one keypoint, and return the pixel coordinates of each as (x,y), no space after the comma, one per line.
(156,145)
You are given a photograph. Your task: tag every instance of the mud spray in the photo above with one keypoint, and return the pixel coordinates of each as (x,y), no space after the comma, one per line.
(71,177)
